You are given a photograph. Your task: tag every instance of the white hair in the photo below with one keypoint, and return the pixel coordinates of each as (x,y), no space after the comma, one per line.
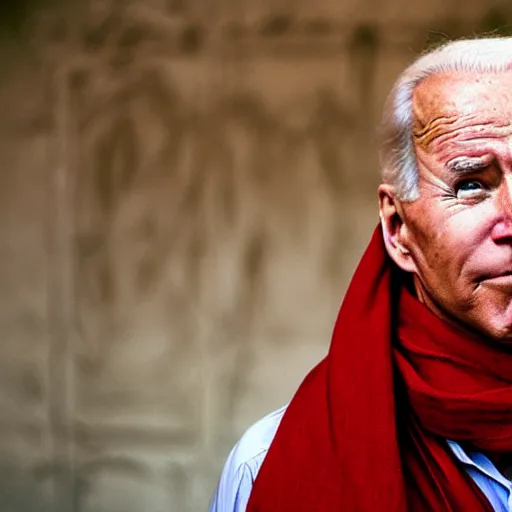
(397,154)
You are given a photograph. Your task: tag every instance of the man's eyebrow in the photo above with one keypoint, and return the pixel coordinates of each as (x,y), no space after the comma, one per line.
(468,165)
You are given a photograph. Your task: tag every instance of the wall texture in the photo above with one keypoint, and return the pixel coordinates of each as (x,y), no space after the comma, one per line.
(186,188)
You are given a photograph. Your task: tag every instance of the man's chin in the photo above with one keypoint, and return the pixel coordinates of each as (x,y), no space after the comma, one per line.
(497,319)
(500,334)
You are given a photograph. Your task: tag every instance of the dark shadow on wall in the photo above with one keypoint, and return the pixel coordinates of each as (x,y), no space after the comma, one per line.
(18,493)
(16,14)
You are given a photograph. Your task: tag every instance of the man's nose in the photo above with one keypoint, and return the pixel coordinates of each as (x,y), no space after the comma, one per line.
(505,196)
(502,231)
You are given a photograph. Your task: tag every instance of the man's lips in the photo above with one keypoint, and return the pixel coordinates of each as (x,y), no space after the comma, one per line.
(503,278)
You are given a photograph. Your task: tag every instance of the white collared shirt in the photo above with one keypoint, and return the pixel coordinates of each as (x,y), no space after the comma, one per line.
(246,457)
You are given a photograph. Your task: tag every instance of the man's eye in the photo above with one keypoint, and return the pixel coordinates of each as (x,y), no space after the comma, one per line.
(469,188)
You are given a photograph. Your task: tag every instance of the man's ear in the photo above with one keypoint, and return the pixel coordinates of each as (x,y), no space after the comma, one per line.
(395,229)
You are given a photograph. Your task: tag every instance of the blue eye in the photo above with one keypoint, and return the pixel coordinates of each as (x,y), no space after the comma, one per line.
(470,185)
(469,188)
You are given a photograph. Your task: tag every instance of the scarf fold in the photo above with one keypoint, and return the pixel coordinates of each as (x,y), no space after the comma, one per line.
(367,428)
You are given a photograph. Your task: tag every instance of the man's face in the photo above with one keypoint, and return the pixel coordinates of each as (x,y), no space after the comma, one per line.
(459,231)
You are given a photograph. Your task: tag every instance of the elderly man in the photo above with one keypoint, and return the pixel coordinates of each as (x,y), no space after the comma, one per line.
(411,410)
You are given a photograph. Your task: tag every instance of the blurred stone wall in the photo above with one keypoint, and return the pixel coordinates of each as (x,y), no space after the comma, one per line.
(186,189)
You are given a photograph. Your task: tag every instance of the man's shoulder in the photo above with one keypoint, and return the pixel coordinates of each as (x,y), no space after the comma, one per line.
(243,464)
(257,439)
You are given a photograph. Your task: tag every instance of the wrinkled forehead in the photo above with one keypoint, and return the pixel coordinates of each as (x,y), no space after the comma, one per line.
(461,94)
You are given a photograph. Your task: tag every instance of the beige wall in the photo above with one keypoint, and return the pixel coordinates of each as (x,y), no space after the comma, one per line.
(180,217)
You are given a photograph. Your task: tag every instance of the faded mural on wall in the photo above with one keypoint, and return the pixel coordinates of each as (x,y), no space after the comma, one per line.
(187,189)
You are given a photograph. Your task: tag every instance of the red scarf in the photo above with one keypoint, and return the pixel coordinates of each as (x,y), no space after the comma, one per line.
(367,429)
